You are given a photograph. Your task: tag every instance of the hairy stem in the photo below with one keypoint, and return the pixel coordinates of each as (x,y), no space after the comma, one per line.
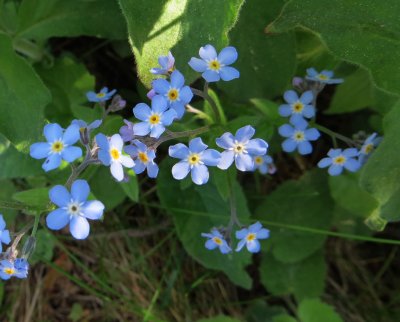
(208,98)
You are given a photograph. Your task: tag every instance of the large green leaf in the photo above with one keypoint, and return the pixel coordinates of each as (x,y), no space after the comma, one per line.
(219,318)
(364,32)
(381,174)
(266,62)
(182,26)
(305,203)
(197,210)
(22,98)
(313,310)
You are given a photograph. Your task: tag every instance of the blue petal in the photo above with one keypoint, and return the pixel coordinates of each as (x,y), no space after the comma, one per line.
(116,142)
(253,246)
(53,132)
(244,162)
(57,219)
(117,171)
(185,95)
(255,227)
(312,72)
(161,86)
(210,244)
(179,151)
(241,245)
(245,133)
(177,79)
(132,150)
(196,145)
(152,170)
(79,227)
(257,147)
(289,145)
(102,142)
(142,112)
(168,117)
(140,146)
(211,157)
(311,134)
(93,209)
(180,170)
(208,52)
(286,130)
(158,104)
(327,73)
(142,128)
(60,196)
(309,111)
(325,162)
(104,157)
(307,97)
(179,109)
(200,174)
(285,110)
(352,165)
(71,153)
(335,170)
(80,190)
(2,223)
(157,130)
(215,233)
(240,234)
(351,152)
(211,76)
(228,55)
(52,162)
(224,248)
(5,237)
(71,134)
(39,150)
(163,61)
(301,123)
(139,167)
(226,160)
(263,234)
(290,96)
(334,152)
(95,124)
(92,96)
(225,141)
(297,118)
(197,64)
(304,147)
(228,73)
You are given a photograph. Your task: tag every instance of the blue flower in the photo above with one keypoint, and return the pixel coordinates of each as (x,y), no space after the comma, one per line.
(9,269)
(297,107)
(110,154)
(338,159)
(368,147)
(298,137)
(167,65)
(155,119)
(144,158)
(176,94)
(58,146)
(4,234)
(324,77)
(241,149)
(194,160)
(249,237)
(216,240)
(265,164)
(215,67)
(74,209)
(83,125)
(126,131)
(102,96)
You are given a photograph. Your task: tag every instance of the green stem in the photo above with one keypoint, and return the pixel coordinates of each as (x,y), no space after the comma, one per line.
(232,203)
(209,99)
(174,135)
(335,135)
(35,225)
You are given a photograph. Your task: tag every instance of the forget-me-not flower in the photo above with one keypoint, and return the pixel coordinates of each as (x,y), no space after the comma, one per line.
(8,270)
(264,164)
(324,77)
(82,124)
(126,131)
(22,267)
(167,65)
(110,154)
(298,137)
(250,236)
(368,147)
(241,149)
(154,119)
(215,67)
(297,107)
(74,209)
(144,158)
(4,234)
(59,146)
(102,96)
(194,159)
(216,240)
(175,92)
(338,159)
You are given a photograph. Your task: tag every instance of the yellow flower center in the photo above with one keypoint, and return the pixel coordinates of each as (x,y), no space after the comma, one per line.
(143,157)
(9,271)
(258,160)
(217,240)
(100,95)
(239,148)
(173,94)
(368,148)
(154,119)
(340,160)
(193,159)
(298,107)
(214,65)
(298,136)
(57,147)
(74,208)
(322,77)
(251,237)
(114,153)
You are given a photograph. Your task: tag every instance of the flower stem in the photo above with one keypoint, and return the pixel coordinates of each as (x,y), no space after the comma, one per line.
(35,225)
(174,135)
(208,98)
(232,203)
(335,135)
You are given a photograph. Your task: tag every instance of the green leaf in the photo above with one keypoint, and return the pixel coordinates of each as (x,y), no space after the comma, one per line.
(38,198)
(283,318)
(131,187)
(42,19)
(22,98)
(44,249)
(381,174)
(198,210)
(180,26)
(219,318)
(303,279)
(348,28)
(266,62)
(313,310)
(305,203)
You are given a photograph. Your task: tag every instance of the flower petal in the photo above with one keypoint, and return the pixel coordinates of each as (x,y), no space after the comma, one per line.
(352,165)
(126,161)
(257,147)
(210,244)
(179,151)
(71,134)
(80,190)
(200,174)
(185,95)
(242,233)
(158,104)
(161,86)
(228,55)
(226,160)
(207,52)
(57,219)
(263,233)
(304,147)
(289,145)
(139,167)
(79,227)
(240,245)
(245,133)
(196,145)
(335,170)
(142,128)
(39,150)
(152,170)
(117,142)
(180,170)
(211,157)
(211,76)
(169,116)
(93,209)
(225,141)
(60,196)
(350,153)
(290,96)
(177,79)
(53,132)
(311,134)
(197,64)
(244,162)
(157,130)
(142,112)
(102,141)
(52,162)
(285,110)
(309,111)
(255,227)
(325,162)
(253,246)
(71,153)
(307,97)
(228,73)
(5,237)
(117,171)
